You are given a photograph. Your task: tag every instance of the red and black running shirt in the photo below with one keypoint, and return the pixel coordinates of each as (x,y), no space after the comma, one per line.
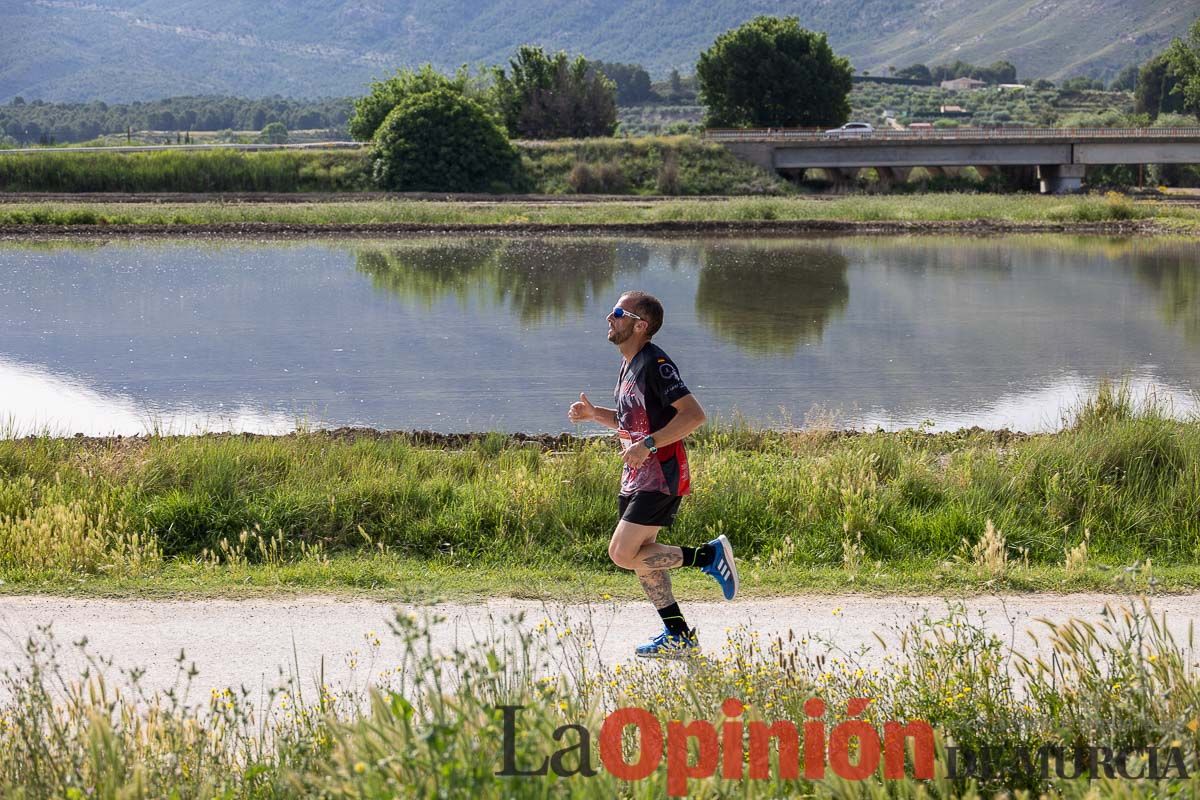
(647,387)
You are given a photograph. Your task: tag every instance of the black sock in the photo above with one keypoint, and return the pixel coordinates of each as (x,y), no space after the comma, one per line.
(700,556)
(672,617)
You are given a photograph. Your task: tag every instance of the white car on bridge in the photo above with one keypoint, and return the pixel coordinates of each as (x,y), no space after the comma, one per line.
(851,130)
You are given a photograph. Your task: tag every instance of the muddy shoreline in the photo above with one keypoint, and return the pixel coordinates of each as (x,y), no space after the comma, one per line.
(545,441)
(284,230)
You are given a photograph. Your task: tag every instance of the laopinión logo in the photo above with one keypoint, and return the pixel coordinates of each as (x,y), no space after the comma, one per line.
(823,749)
(726,751)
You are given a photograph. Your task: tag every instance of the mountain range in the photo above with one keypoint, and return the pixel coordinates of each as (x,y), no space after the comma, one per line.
(125,50)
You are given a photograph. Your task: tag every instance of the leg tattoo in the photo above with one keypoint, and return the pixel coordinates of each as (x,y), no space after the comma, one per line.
(663,557)
(657,585)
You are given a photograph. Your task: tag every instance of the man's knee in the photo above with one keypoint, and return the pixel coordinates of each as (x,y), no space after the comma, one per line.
(622,554)
(627,541)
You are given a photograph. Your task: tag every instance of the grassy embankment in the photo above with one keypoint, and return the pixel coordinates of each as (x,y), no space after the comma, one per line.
(1112,501)
(682,165)
(431,727)
(931,211)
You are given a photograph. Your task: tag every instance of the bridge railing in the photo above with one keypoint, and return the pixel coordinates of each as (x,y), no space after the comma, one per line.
(946,134)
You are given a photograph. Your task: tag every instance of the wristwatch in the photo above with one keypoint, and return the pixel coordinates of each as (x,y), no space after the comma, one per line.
(649,442)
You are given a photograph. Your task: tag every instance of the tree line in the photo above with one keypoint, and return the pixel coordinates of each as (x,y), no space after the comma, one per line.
(435,132)
(999,72)
(37,121)
(768,72)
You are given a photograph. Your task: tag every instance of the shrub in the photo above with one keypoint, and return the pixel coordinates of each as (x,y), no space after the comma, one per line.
(668,174)
(612,177)
(274,133)
(370,111)
(604,178)
(442,141)
(581,179)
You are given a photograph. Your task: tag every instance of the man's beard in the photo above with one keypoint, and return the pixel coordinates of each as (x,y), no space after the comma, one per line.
(617,336)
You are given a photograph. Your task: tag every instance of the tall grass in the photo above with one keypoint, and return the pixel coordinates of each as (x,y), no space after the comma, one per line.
(185,171)
(697,167)
(947,208)
(430,725)
(1128,475)
(569,166)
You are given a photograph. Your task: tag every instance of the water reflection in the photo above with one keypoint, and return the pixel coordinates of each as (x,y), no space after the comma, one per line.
(495,333)
(770,298)
(1044,409)
(543,281)
(35,401)
(1175,278)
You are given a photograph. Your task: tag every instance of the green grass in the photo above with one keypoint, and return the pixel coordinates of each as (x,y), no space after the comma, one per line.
(390,578)
(927,208)
(873,512)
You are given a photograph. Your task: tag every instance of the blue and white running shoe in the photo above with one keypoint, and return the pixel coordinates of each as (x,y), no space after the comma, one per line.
(722,569)
(670,645)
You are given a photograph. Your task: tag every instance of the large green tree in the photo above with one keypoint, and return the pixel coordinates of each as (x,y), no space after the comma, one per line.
(1155,91)
(440,141)
(770,72)
(1184,56)
(1126,80)
(554,97)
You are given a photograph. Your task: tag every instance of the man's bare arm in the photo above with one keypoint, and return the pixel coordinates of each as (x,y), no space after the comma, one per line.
(688,416)
(606,417)
(583,410)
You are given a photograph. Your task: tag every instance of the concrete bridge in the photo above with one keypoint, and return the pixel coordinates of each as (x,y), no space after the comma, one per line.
(1055,158)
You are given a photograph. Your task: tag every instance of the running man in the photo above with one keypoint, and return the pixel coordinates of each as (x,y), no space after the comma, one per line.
(654,412)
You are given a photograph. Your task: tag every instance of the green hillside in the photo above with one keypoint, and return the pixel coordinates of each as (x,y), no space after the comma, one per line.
(118,50)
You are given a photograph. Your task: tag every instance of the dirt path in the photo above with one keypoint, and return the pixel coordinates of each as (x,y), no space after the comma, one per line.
(253,642)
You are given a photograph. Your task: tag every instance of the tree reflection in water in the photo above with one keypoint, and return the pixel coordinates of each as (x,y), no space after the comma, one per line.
(542,280)
(1175,276)
(770,297)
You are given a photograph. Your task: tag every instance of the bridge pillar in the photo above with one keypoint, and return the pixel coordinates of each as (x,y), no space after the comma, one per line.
(986,172)
(1061,178)
(890,175)
(842,177)
(944,172)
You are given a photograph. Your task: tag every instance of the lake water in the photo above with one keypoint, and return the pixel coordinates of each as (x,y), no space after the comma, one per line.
(492,333)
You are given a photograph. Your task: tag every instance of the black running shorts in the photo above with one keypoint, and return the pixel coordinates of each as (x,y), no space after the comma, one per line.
(649,508)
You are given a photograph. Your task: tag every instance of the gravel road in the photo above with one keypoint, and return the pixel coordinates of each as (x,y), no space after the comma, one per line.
(254,642)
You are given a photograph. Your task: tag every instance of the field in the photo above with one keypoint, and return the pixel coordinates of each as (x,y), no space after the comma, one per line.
(321,512)
(673,165)
(1050,107)
(1029,107)
(435,723)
